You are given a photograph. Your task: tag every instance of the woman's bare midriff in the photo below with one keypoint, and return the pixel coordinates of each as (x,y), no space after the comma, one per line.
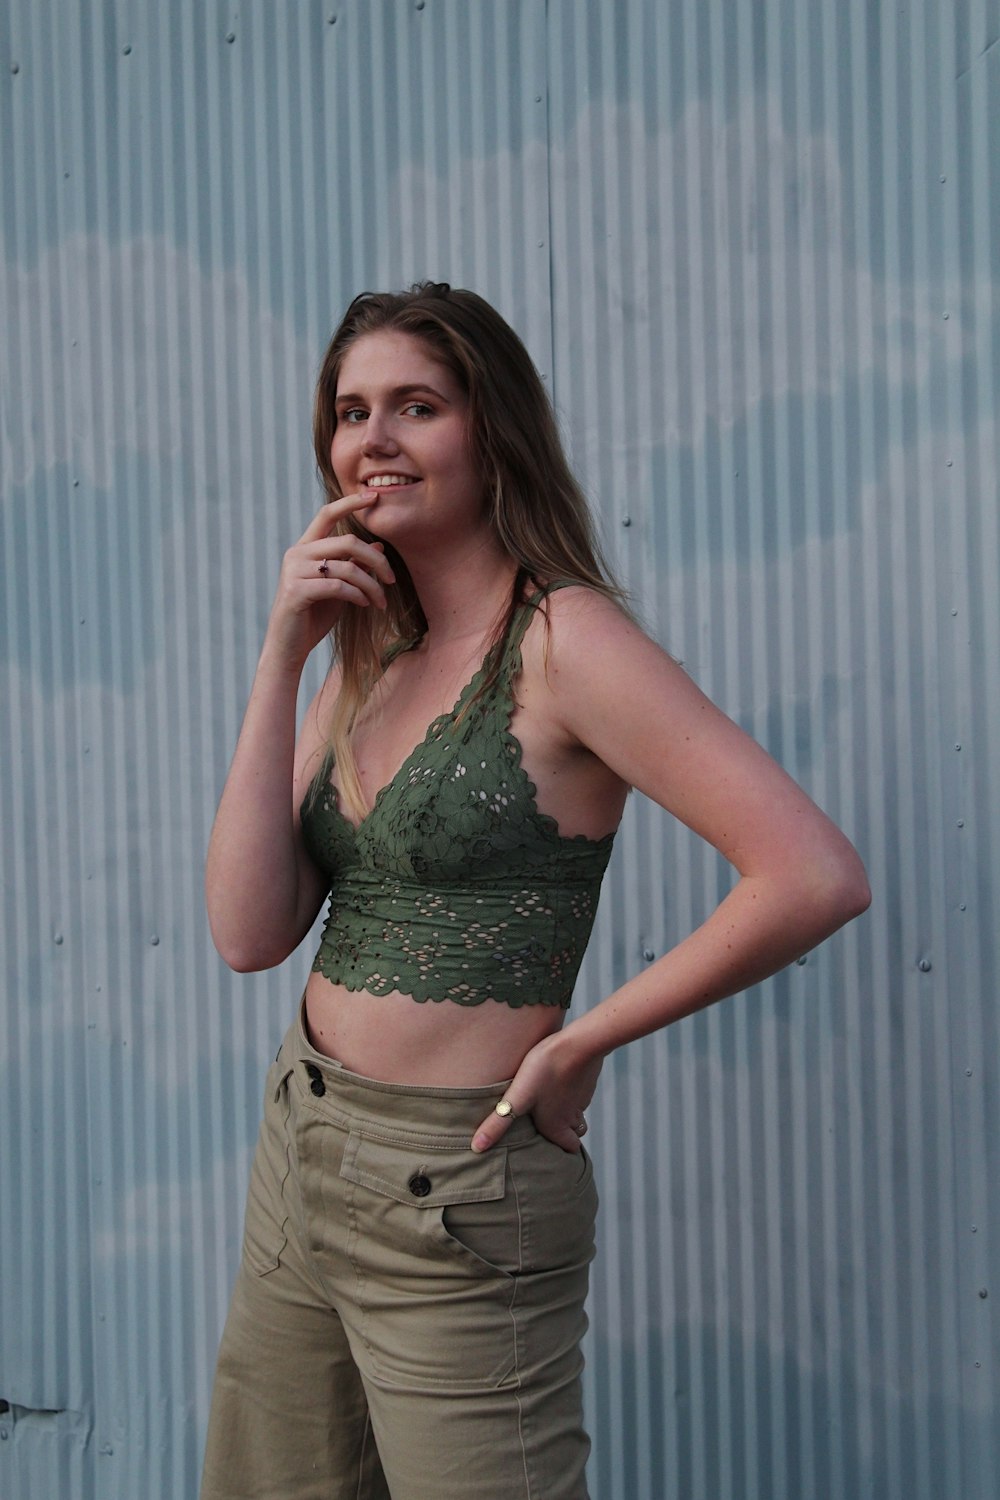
(397,1040)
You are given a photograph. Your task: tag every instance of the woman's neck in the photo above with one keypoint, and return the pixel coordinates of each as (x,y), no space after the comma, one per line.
(463,594)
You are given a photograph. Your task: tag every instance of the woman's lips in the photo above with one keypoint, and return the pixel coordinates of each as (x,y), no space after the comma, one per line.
(387,489)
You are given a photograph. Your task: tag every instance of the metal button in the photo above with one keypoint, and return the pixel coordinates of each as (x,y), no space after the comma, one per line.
(419,1185)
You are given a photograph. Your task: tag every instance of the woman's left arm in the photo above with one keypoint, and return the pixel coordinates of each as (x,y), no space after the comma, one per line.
(616,692)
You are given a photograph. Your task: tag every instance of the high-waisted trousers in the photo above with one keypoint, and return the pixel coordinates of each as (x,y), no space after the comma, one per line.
(407,1316)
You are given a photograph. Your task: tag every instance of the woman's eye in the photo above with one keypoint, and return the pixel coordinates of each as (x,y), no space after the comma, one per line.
(353,414)
(419,409)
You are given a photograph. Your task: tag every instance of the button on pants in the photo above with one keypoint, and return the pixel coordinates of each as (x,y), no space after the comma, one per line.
(407,1317)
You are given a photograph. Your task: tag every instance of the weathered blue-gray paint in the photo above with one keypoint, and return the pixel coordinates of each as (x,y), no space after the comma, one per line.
(753,247)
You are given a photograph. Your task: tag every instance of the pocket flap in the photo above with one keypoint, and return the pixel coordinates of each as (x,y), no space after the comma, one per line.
(425,1178)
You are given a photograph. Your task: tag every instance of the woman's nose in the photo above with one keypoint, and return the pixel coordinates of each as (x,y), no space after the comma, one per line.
(378,434)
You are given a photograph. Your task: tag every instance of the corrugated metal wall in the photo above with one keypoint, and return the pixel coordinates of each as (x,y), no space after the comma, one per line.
(754,248)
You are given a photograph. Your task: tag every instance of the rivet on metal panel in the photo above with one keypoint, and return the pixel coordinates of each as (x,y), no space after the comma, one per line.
(648,955)
(538,98)
(420,5)
(230,36)
(331,20)
(979,1364)
(154,940)
(962,906)
(14,68)
(126,49)
(983,1293)
(924,966)
(975,1228)
(626,520)
(946,316)
(802,959)
(949,463)
(960,823)
(76,484)
(954,613)
(958,747)
(106,1450)
(968,1074)
(57,939)
(942,178)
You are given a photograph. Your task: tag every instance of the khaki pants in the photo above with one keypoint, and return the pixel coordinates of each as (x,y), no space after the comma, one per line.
(407,1317)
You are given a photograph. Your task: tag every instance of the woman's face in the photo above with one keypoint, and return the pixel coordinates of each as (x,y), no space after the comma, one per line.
(402,435)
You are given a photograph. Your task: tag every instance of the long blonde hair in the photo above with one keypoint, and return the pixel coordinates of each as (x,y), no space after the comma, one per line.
(538,512)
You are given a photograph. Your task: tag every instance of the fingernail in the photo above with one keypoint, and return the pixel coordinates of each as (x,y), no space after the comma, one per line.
(480,1142)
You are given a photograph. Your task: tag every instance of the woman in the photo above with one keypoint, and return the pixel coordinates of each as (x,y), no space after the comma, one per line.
(409,1308)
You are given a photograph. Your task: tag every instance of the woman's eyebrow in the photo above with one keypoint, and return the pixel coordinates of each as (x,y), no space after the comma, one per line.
(395,394)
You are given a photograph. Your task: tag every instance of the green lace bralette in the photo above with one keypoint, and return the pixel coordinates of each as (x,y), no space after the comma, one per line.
(454,886)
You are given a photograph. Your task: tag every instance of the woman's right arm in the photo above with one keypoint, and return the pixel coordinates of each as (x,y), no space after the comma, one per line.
(262,889)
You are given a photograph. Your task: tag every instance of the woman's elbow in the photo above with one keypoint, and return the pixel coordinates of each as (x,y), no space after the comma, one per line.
(842,887)
(249,962)
(249,953)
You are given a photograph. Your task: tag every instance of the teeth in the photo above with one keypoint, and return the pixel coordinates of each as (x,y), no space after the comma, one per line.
(383,481)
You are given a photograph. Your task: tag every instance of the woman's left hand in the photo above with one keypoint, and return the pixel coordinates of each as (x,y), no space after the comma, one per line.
(554,1084)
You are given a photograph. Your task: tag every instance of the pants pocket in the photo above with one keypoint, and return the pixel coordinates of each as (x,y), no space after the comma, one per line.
(557,1207)
(437,1307)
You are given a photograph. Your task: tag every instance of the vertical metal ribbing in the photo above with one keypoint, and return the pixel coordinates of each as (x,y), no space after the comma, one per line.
(788,504)
(750,247)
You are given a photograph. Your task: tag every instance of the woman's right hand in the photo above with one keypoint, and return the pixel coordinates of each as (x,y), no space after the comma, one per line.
(321,574)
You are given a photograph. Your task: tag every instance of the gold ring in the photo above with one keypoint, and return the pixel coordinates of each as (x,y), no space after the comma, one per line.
(505,1110)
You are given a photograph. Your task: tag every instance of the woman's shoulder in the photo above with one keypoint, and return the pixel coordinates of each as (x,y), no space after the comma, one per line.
(590,647)
(571,606)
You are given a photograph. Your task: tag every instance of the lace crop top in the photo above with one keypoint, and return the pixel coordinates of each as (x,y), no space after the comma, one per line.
(454,886)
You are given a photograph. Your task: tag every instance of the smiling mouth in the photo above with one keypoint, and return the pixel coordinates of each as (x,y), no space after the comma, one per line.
(389,481)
